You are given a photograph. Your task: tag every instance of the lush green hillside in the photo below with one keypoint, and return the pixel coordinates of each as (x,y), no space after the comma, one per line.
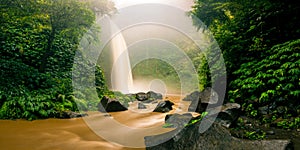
(39,39)
(260,43)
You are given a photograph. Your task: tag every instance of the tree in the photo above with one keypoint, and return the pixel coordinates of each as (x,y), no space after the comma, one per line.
(66,18)
(245,29)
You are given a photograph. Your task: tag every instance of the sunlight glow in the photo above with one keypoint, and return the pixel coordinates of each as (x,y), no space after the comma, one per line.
(183,4)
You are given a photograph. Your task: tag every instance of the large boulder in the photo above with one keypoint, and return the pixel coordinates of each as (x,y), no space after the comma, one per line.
(207,100)
(200,100)
(110,105)
(229,114)
(216,137)
(194,96)
(207,95)
(154,96)
(164,106)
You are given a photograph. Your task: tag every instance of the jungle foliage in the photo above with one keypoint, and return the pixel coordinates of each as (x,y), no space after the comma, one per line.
(39,39)
(260,44)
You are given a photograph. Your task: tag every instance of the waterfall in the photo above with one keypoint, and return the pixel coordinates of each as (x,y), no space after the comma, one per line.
(121,75)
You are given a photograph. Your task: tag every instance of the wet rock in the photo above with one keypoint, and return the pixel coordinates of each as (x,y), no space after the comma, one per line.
(164,106)
(141,96)
(141,106)
(216,137)
(153,95)
(110,105)
(178,120)
(148,97)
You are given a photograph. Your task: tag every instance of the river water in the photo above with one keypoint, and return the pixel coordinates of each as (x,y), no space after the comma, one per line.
(71,134)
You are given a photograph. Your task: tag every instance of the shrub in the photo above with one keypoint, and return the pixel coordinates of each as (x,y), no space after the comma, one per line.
(274,79)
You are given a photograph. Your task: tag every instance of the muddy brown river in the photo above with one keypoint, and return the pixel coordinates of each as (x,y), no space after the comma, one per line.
(72,134)
(114,131)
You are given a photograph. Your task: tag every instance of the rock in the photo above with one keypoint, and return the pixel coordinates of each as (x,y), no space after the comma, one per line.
(141,96)
(153,95)
(200,100)
(164,106)
(197,106)
(148,97)
(110,105)
(216,137)
(141,106)
(208,95)
(202,107)
(194,96)
(228,114)
(178,120)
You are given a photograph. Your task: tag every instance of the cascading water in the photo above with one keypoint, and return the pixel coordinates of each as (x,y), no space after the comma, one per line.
(121,75)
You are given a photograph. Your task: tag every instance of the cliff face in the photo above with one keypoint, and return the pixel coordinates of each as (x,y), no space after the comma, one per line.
(216,137)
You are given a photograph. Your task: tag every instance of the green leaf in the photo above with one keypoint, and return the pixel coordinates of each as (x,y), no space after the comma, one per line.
(264,97)
(294,71)
(295,93)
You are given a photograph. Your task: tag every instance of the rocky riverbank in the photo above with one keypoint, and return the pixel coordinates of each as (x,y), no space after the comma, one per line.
(216,137)
(227,128)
